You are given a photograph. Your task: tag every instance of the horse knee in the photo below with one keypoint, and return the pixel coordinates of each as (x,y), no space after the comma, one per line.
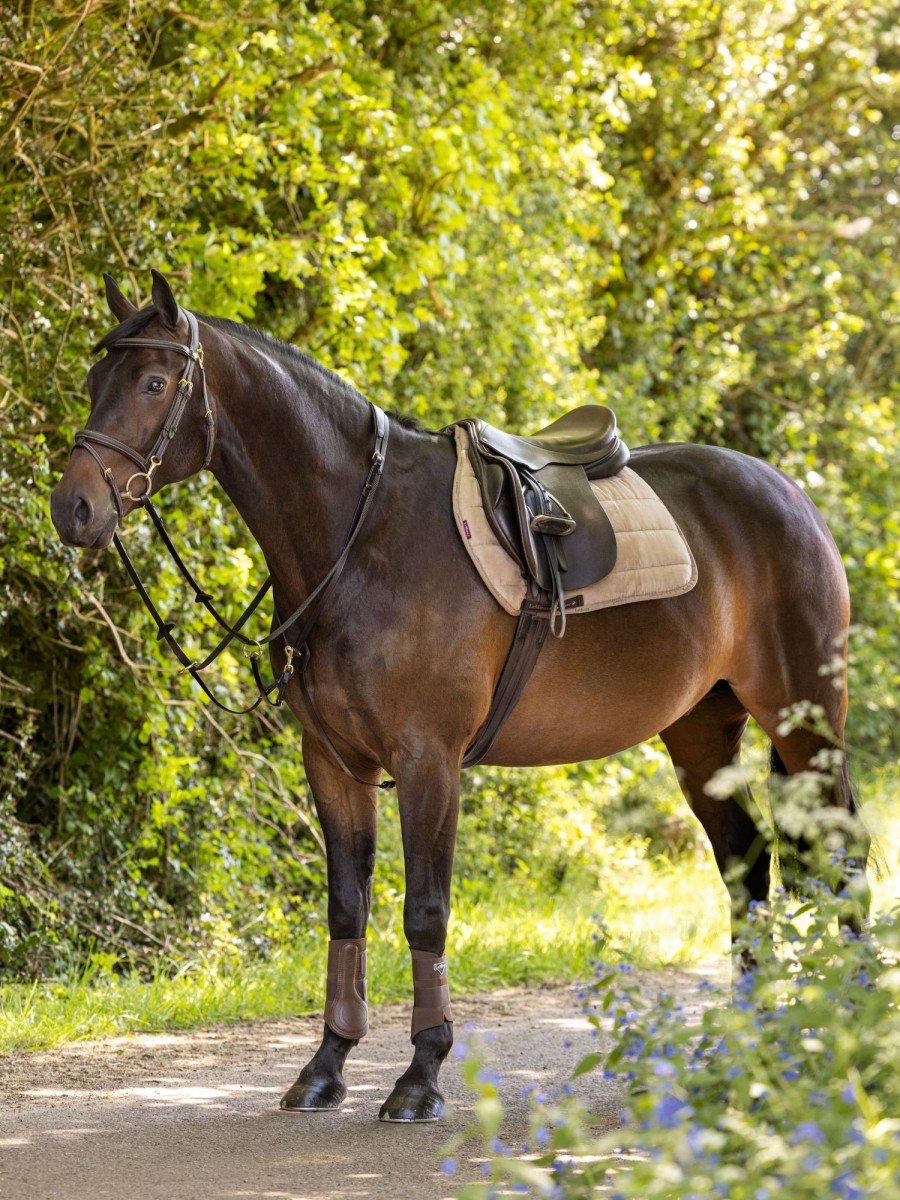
(425,925)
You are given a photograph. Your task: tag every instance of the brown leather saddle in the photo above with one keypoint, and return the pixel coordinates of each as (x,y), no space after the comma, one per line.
(538,499)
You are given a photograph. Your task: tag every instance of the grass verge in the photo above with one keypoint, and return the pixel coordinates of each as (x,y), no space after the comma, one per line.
(511,934)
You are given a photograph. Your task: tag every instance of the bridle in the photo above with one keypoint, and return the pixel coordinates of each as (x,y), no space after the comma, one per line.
(87,439)
(296,646)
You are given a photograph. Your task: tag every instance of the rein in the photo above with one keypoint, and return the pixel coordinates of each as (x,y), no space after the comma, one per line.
(295,647)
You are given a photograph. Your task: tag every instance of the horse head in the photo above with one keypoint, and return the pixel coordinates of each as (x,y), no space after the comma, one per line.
(149,387)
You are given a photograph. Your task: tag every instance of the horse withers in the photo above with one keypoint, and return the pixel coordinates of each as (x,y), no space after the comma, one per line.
(408,645)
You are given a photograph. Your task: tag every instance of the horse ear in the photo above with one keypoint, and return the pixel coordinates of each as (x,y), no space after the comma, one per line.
(164,300)
(119,304)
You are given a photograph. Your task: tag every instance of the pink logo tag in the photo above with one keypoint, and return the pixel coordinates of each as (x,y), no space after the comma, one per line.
(468,530)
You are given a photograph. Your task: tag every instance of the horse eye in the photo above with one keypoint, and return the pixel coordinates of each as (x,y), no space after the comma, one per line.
(156,386)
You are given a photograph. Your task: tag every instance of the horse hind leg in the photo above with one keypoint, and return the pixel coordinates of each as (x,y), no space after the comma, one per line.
(819,834)
(701,743)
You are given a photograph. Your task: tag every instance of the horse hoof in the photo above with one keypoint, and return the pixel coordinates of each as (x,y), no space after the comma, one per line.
(315,1096)
(412,1104)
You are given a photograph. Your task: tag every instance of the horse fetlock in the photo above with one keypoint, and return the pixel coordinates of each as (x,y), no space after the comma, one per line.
(346,1011)
(416,1095)
(320,1085)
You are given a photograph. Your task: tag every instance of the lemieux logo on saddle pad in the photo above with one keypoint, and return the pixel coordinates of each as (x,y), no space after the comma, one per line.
(654,561)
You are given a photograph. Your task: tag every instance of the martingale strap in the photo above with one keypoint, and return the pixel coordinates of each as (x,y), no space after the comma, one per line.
(523,654)
(296,645)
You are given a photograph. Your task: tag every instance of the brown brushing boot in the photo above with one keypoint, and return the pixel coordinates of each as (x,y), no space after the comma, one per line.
(320,1085)
(416,1096)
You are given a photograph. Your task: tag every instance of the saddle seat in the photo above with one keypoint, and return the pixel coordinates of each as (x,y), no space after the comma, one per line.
(538,500)
(585,437)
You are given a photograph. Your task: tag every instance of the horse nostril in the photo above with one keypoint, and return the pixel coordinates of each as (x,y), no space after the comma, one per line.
(82,512)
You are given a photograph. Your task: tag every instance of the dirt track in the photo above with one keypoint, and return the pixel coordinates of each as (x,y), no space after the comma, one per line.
(194,1116)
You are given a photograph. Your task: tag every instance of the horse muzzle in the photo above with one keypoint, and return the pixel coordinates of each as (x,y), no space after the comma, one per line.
(82,519)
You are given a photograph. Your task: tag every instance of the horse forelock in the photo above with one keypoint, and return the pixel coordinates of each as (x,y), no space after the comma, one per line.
(129,328)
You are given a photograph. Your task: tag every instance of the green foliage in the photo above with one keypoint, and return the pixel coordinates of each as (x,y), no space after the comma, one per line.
(792,1087)
(504,932)
(686,209)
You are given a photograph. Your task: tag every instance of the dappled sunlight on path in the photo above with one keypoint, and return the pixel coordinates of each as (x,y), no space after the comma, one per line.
(194,1116)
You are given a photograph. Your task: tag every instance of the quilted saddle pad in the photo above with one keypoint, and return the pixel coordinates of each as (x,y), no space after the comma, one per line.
(654,561)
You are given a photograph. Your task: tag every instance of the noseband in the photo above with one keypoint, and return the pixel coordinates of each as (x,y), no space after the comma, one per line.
(87,439)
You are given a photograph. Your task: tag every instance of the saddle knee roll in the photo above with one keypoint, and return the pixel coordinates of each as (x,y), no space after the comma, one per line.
(431,991)
(346,1011)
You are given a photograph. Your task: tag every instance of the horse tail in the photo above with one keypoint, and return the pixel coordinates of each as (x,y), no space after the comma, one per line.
(877,860)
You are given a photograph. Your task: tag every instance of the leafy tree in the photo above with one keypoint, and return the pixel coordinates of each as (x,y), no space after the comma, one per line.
(687,210)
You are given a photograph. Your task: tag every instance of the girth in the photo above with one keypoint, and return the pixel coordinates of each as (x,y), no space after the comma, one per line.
(538,500)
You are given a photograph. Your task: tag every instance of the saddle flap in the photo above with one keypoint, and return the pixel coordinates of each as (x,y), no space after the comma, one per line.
(589,551)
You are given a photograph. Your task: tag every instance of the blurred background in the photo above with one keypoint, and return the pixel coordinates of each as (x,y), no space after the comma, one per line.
(687,211)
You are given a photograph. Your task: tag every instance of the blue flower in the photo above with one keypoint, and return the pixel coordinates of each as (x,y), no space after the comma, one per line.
(448,1166)
(486,1075)
(671,1111)
(809,1131)
(845,1186)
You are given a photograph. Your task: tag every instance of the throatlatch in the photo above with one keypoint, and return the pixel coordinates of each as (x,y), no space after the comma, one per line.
(346,1011)
(431,991)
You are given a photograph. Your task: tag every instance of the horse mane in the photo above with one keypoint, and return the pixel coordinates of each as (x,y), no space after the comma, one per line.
(138,321)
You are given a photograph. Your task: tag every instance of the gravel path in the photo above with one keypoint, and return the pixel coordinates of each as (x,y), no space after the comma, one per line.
(194,1116)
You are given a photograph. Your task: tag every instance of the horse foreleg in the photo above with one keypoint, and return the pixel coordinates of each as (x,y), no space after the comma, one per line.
(348,815)
(428,794)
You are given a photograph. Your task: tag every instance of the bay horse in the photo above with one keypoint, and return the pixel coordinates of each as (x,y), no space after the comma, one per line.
(406,653)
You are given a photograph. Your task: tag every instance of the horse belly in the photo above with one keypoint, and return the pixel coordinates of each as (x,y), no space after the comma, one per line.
(618,677)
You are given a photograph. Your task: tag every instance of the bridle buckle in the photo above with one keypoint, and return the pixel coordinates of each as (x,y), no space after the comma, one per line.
(127,493)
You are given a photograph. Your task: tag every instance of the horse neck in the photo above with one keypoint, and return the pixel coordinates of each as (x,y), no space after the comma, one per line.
(293,446)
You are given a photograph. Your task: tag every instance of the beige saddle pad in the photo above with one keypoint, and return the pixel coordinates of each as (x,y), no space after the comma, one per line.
(654,561)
